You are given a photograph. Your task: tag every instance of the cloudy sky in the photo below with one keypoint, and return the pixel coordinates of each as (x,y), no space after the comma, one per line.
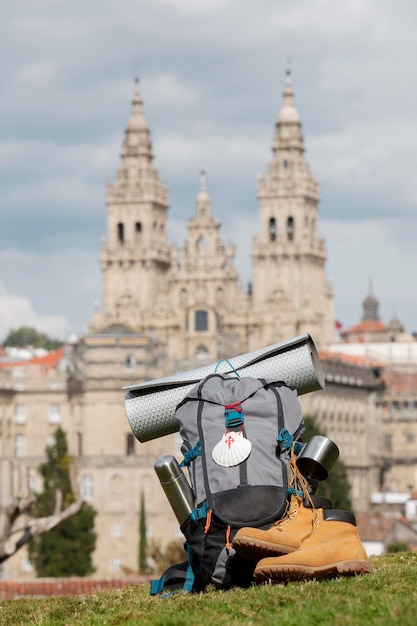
(212,76)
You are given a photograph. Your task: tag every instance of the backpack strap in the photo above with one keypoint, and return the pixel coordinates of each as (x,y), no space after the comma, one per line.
(280,410)
(200,512)
(190,455)
(176,578)
(286,442)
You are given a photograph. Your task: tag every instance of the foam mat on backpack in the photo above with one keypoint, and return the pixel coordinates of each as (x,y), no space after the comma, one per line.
(150,406)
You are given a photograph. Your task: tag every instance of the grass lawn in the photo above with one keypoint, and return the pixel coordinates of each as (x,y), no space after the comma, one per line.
(387,596)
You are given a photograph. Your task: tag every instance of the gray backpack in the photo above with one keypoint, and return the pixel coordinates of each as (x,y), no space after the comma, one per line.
(237,437)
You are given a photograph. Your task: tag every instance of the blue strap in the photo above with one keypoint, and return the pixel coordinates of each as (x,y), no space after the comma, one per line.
(157,586)
(189,580)
(230,365)
(200,512)
(298,447)
(291,490)
(285,440)
(191,455)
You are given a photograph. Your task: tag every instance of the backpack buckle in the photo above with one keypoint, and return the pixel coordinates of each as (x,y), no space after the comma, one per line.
(233,415)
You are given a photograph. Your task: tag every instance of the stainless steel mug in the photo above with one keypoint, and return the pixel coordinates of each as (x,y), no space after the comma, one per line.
(317,458)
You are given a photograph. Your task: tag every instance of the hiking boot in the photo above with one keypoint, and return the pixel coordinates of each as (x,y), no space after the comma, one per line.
(333,549)
(286,535)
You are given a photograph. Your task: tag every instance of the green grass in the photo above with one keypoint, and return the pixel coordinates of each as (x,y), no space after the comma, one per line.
(387,596)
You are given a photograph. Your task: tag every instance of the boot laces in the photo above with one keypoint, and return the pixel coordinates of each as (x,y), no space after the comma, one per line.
(298,483)
(290,513)
(298,488)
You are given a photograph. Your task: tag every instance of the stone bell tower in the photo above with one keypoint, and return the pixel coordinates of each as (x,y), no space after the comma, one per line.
(135,256)
(290,292)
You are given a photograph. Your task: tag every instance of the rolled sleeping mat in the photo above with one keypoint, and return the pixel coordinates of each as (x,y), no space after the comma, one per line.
(151,406)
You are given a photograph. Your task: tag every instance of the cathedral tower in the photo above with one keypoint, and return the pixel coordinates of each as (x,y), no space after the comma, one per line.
(135,257)
(290,292)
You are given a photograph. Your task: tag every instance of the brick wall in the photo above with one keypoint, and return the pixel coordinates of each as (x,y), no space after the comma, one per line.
(10,589)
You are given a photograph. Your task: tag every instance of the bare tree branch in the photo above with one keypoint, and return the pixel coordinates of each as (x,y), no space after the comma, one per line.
(35,526)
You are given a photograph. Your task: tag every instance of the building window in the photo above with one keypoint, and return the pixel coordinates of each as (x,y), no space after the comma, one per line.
(138,227)
(130,362)
(54,414)
(201,352)
(202,248)
(272,229)
(201,320)
(120,232)
(19,447)
(116,565)
(388,443)
(290,228)
(183,297)
(27,565)
(130,444)
(285,162)
(116,530)
(31,481)
(20,414)
(87,487)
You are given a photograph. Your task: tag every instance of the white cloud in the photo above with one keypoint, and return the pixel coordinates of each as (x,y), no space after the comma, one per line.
(16,311)
(224,156)
(190,7)
(59,288)
(377,157)
(37,74)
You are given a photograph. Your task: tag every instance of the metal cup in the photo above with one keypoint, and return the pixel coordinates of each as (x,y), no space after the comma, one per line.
(317,458)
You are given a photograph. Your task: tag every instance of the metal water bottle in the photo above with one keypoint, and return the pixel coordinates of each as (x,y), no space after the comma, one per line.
(176,487)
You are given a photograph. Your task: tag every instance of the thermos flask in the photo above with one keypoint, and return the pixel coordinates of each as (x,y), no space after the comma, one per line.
(176,487)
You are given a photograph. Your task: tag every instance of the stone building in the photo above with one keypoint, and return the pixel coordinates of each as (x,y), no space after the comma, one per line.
(392,352)
(165,310)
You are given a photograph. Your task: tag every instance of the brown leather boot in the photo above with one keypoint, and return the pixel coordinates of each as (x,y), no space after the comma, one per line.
(333,549)
(285,535)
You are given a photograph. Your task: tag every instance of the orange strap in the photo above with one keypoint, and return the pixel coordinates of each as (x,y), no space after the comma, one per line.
(228,544)
(208,521)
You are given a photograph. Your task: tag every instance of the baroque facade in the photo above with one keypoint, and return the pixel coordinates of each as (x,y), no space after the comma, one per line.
(165,310)
(190,300)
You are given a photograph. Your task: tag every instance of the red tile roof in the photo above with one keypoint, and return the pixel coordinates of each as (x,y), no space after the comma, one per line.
(380,527)
(367,326)
(49,360)
(374,527)
(352,359)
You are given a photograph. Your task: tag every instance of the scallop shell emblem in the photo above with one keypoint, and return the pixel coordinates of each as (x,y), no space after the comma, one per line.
(232,449)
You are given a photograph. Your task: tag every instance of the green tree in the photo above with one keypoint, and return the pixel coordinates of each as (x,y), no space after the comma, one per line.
(66,549)
(28,336)
(398,546)
(336,486)
(142,535)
